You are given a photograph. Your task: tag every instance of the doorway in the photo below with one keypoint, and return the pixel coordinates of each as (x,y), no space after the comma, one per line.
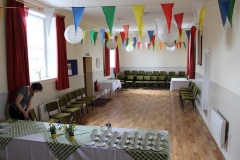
(88,75)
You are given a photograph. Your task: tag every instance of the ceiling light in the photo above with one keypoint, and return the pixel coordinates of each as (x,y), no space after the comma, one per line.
(120,19)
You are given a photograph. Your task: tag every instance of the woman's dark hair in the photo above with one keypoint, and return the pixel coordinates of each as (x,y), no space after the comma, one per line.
(37,86)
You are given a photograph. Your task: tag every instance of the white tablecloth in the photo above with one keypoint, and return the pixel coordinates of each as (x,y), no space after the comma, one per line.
(177,83)
(32,147)
(110,84)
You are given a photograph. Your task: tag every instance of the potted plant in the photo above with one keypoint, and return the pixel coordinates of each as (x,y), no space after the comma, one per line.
(70,128)
(53,130)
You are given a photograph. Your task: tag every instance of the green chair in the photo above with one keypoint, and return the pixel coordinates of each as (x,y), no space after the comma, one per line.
(127,72)
(162,80)
(72,99)
(181,74)
(155,73)
(32,115)
(153,81)
(168,81)
(141,73)
(130,80)
(146,80)
(121,77)
(148,73)
(191,97)
(134,74)
(163,73)
(139,80)
(85,100)
(54,112)
(171,73)
(84,96)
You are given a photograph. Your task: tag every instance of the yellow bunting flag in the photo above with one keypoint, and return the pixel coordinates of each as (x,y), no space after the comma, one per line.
(119,42)
(84,35)
(109,35)
(141,31)
(201,19)
(138,12)
(1,13)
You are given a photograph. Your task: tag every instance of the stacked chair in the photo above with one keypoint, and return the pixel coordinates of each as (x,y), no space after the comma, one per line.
(181,74)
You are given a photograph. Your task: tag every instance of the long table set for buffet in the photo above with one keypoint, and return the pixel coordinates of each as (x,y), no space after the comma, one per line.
(31,140)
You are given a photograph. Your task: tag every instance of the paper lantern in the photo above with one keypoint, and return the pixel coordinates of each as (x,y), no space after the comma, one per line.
(129,48)
(163,34)
(71,36)
(170,48)
(170,44)
(111,44)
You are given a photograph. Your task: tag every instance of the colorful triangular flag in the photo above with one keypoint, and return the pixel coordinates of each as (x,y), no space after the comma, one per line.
(48,17)
(92,36)
(126,29)
(184,45)
(230,11)
(77,16)
(109,12)
(138,12)
(167,9)
(179,20)
(201,19)
(223,6)
(95,37)
(150,34)
(196,6)
(102,34)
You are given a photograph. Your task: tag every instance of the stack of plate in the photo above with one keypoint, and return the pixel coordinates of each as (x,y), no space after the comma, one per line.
(4,127)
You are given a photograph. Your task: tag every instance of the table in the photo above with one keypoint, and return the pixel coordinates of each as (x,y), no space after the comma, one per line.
(111,85)
(177,83)
(35,147)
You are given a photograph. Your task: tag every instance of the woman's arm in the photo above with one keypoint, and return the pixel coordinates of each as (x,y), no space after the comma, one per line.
(29,105)
(17,103)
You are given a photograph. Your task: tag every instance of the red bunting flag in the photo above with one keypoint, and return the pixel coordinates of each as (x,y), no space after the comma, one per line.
(122,34)
(167,9)
(126,29)
(153,39)
(139,44)
(177,45)
(149,44)
(179,20)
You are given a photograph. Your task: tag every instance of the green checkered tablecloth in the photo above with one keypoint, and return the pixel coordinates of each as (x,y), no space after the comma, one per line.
(19,129)
(139,154)
(62,147)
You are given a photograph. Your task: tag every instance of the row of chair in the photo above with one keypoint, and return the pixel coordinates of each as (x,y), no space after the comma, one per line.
(68,105)
(189,93)
(153,73)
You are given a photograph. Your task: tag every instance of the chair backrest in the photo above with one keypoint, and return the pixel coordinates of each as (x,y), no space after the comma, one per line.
(181,73)
(32,115)
(163,73)
(171,73)
(161,78)
(141,73)
(130,78)
(148,73)
(170,77)
(62,102)
(153,78)
(52,106)
(78,94)
(146,78)
(126,72)
(83,92)
(139,78)
(155,73)
(72,96)
(121,77)
(195,91)
(134,72)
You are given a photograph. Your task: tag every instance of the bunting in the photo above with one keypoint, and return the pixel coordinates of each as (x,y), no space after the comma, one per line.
(84,36)
(201,19)
(109,12)
(188,33)
(113,32)
(230,11)
(179,20)
(167,9)
(138,12)
(109,35)
(95,37)
(139,44)
(160,45)
(153,40)
(127,39)
(102,34)
(196,6)
(77,16)
(134,42)
(148,45)
(1,13)
(48,14)
(92,32)
(177,45)
(150,34)
(141,32)
(223,6)
(119,42)
(180,45)
(126,29)
(184,45)
(122,34)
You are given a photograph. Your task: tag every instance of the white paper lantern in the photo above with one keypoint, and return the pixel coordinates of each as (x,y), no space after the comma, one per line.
(71,36)
(170,48)
(129,48)
(111,44)
(163,34)
(170,44)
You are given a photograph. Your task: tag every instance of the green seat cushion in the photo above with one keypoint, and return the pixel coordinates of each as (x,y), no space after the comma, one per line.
(70,110)
(59,115)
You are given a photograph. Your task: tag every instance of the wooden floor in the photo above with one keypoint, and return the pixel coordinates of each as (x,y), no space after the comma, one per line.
(159,109)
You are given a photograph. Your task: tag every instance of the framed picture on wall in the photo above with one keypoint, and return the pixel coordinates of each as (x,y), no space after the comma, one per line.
(72,67)
(199,48)
(98,62)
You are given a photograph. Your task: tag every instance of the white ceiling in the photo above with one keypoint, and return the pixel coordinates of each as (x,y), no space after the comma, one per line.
(93,12)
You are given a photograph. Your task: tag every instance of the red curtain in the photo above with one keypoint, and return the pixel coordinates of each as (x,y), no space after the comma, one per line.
(191,54)
(17,51)
(62,76)
(117,68)
(107,58)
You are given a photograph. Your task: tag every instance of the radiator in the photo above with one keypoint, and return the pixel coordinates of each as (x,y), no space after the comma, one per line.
(43,113)
(218,127)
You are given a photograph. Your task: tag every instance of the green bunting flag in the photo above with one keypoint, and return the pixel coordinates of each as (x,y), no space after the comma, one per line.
(109,12)
(127,39)
(95,37)
(92,36)
(184,45)
(230,11)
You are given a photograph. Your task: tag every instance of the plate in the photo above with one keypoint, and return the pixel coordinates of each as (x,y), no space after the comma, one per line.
(148,148)
(89,143)
(130,147)
(2,131)
(138,141)
(99,144)
(120,147)
(155,143)
(154,149)
(114,145)
(127,141)
(4,124)
(103,140)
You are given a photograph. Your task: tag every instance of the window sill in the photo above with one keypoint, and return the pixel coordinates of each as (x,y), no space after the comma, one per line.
(45,80)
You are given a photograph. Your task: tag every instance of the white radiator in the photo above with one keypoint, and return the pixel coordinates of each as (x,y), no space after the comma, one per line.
(218,127)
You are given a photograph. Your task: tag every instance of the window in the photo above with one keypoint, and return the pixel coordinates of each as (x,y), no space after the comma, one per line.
(39,50)
(112,58)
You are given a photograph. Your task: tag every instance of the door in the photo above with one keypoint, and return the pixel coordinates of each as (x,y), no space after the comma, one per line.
(88,75)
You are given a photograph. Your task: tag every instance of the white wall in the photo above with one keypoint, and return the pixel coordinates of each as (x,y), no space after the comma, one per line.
(224,92)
